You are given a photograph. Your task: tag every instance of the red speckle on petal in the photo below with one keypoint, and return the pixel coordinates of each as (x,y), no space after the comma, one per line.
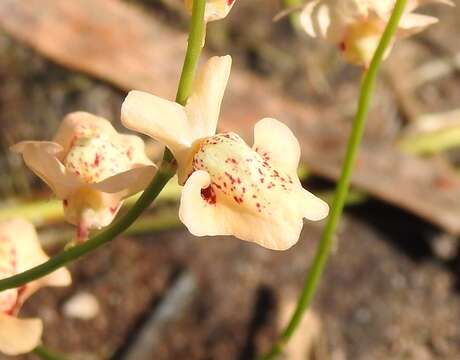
(97,160)
(114,209)
(129,153)
(209,195)
(230,2)
(82,233)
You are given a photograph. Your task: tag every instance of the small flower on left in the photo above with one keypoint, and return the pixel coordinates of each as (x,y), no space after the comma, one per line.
(90,167)
(19,251)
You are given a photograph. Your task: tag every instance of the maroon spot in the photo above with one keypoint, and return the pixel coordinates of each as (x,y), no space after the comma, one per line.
(82,233)
(65,202)
(239,200)
(342,46)
(97,160)
(209,195)
(129,153)
(232,180)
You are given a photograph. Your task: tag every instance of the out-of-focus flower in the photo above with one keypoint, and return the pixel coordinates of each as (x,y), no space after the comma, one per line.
(215,9)
(356,26)
(90,167)
(230,188)
(19,251)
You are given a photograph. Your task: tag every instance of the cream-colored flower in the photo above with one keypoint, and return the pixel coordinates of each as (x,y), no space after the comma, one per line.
(356,26)
(230,188)
(90,167)
(215,9)
(19,251)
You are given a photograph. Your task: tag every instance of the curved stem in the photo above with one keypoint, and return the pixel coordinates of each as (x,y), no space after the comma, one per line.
(164,173)
(43,353)
(324,247)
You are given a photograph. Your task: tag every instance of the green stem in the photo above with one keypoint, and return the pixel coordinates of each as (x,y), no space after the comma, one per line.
(324,247)
(195,45)
(45,354)
(164,173)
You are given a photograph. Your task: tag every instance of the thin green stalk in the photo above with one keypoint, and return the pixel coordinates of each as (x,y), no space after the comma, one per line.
(195,45)
(324,247)
(43,353)
(164,173)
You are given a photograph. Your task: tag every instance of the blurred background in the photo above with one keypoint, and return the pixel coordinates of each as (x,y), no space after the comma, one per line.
(391,290)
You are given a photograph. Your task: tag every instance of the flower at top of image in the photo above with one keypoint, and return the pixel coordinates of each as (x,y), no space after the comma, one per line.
(230,188)
(19,251)
(90,167)
(215,9)
(356,26)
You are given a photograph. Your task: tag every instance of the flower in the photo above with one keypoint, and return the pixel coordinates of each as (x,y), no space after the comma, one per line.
(215,9)
(90,167)
(229,187)
(356,26)
(19,251)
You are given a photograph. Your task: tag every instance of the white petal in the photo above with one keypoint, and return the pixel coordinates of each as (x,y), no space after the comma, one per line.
(75,122)
(203,106)
(41,158)
(89,208)
(413,23)
(19,336)
(128,182)
(275,141)
(197,214)
(138,155)
(315,18)
(163,120)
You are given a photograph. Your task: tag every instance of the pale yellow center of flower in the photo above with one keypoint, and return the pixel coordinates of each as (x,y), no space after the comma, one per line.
(239,174)
(96,157)
(361,41)
(8,266)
